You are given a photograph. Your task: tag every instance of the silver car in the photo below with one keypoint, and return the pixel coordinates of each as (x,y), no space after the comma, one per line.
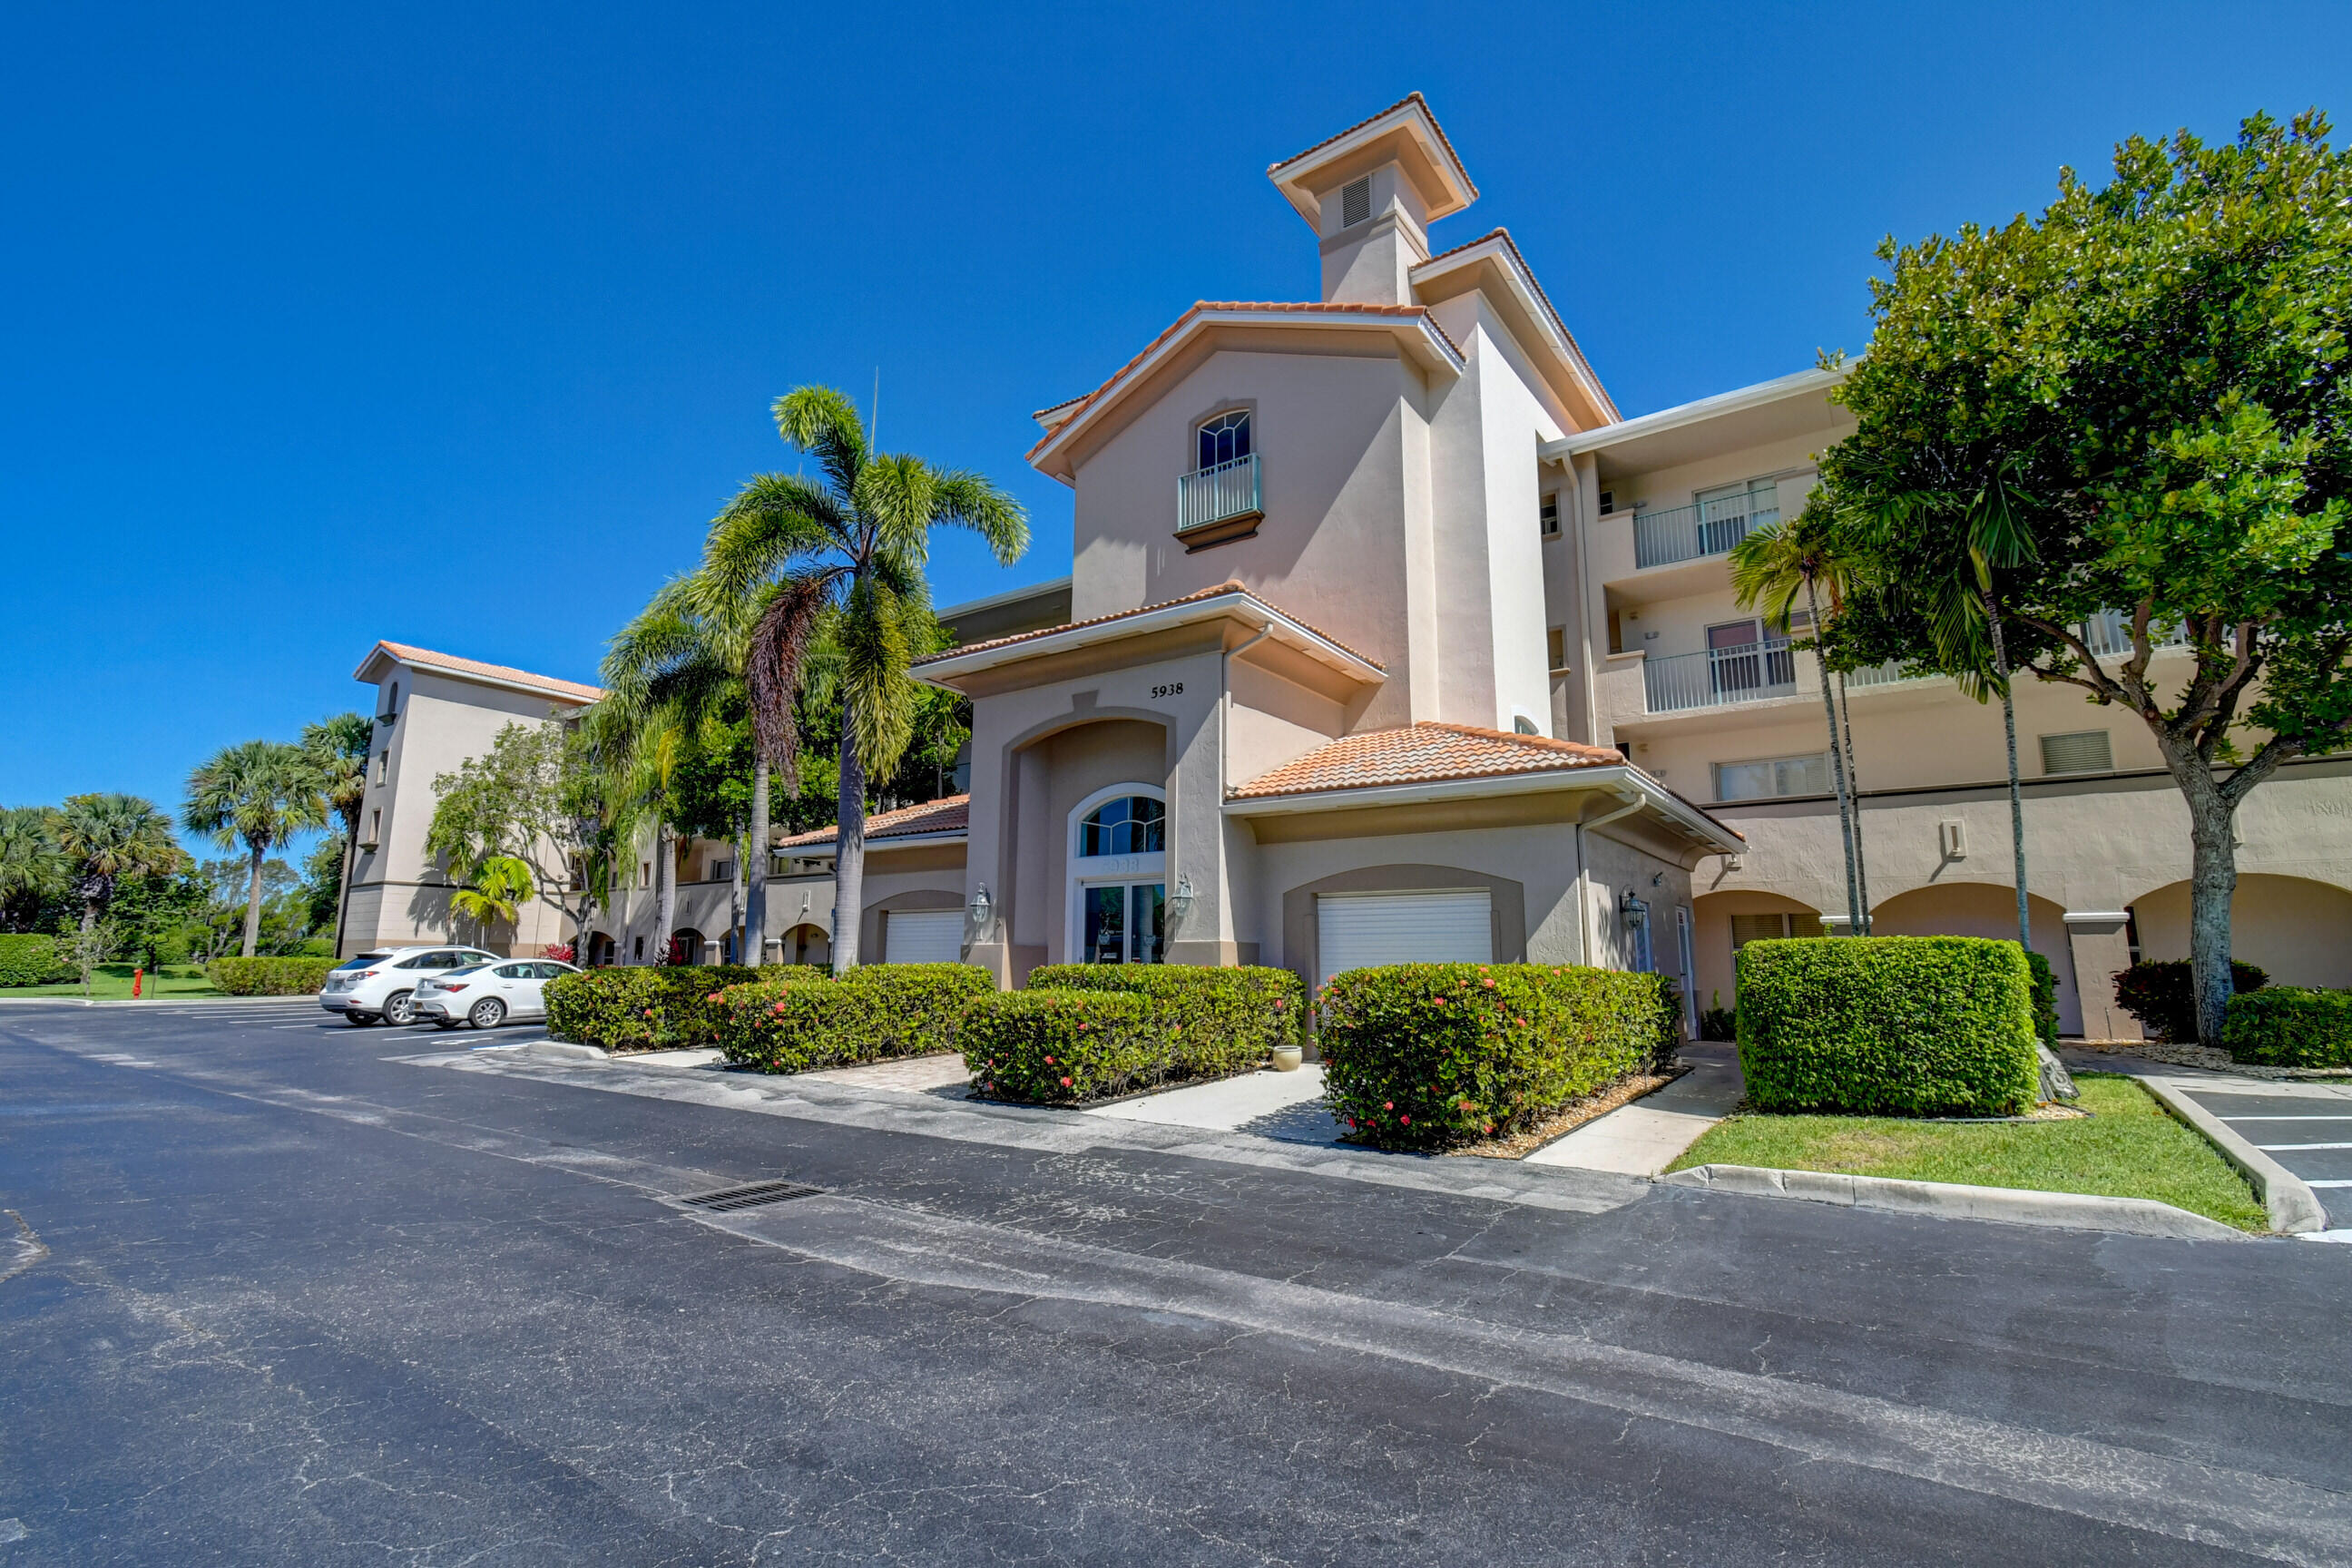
(488,994)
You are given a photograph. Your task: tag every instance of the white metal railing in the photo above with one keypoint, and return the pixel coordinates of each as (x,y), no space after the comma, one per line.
(1746,672)
(1704,528)
(1212,495)
(2109,635)
(1887,673)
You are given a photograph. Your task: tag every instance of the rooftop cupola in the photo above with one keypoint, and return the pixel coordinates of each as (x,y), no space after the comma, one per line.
(1371,193)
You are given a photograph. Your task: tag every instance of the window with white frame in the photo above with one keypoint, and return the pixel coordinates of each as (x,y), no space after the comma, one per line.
(1225,439)
(1770,777)
(1117,892)
(1555,647)
(383,765)
(1548,516)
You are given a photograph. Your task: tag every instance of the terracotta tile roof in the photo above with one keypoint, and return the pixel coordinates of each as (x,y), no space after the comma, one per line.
(1414,97)
(429,659)
(1553,310)
(1419,753)
(1229,585)
(1346,307)
(951,814)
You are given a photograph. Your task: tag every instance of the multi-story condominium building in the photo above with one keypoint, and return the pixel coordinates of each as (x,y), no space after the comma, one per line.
(1387,636)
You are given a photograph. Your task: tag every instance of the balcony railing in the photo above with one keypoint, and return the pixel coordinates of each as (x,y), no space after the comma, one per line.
(1217,495)
(1747,672)
(2109,635)
(1707,528)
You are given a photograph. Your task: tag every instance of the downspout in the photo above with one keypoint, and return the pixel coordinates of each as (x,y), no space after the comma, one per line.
(1585,881)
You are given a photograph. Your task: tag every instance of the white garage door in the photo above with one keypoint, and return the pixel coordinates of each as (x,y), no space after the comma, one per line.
(1355,930)
(922,936)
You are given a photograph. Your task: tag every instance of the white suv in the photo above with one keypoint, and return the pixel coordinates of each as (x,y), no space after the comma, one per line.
(488,994)
(383,983)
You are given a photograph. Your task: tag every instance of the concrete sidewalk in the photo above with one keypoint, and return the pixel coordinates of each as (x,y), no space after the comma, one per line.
(1287,1106)
(1646,1137)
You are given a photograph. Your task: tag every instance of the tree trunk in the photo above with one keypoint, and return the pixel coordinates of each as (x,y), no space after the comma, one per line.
(849,849)
(1837,770)
(2016,795)
(344,904)
(754,872)
(253,905)
(664,890)
(1853,786)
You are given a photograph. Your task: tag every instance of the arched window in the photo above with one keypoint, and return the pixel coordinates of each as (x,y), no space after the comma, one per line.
(1225,440)
(1131,824)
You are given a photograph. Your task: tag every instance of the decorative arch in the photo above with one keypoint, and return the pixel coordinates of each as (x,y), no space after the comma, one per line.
(1988,909)
(1720,921)
(2297,929)
(807,943)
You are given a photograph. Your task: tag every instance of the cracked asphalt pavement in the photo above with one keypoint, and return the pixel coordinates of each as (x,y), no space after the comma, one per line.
(273,1290)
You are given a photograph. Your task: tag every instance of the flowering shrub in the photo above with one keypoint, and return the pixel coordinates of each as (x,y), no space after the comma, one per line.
(872,1013)
(1058,1048)
(1218,1021)
(559,951)
(1420,1055)
(641,1008)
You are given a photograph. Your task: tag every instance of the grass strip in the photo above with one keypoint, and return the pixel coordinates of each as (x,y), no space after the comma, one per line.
(2127,1148)
(111,983)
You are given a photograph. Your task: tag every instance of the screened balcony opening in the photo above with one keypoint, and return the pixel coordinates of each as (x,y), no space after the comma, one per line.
(1739,664)
(1219,499)
(1710,525)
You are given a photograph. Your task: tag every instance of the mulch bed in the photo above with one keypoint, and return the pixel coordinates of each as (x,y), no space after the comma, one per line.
(1571,1116)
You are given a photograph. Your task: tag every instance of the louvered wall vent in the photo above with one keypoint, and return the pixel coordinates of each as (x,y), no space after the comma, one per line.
(1355,202)
(2083,751)
(750,1197)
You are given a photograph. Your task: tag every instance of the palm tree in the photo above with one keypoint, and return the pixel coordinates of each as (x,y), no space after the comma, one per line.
(33,867)
(502,886)
(107,837)
(259,793)
(854,538)
(339,748)
(1772,565)
(633,749)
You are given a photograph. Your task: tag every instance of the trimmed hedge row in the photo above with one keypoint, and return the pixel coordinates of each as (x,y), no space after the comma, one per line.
(1419,1056)
(1888,1026)
(35,960)
(2290,1026)
(2163,997)
(1191,1023)
(270,977)
(641,1007)
(873,1013)
(1061,1046)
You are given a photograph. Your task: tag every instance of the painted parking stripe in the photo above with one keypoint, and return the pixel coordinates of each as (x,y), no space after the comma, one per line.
(2312,1183)
(2284,1148)
(2287,1119)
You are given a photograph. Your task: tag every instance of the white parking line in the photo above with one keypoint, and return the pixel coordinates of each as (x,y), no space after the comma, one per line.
(2284,1148)
(2287,1119)
(2312,1183)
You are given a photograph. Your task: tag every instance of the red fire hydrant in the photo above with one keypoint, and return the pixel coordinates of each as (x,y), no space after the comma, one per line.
(137,977)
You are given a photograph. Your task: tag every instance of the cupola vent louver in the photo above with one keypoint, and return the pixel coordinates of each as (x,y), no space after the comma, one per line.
(1355,202)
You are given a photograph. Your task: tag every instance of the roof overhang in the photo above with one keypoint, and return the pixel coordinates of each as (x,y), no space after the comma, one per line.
(952,668)
(1405,133)
(381,661)
(828,847)
(1626,782)
(1414,332)
(1747,416)
(1494,264)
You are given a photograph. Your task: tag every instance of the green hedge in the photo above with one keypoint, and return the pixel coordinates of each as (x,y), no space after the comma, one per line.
(1059,1048)
(642,1007)
(2290,1026)
(2045,998)
(1888,1026)
(35,960)
(1419,1055)
(872,1013)
(270,977)
(1219,1021)
(2163,997)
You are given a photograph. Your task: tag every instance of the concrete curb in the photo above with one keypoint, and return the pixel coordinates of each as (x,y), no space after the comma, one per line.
(2293,1206)
(564,1049)
(1950,1200)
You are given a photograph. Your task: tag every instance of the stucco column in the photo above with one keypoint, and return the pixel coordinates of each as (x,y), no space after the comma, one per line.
(2101,951)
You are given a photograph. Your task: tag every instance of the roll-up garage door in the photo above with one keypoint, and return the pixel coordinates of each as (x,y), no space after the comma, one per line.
(1355,930)
(922,936)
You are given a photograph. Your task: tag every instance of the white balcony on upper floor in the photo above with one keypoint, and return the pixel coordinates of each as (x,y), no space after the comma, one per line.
(1219,503)
(1702,528)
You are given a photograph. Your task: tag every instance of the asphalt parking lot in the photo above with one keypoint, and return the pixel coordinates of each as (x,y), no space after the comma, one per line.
(273,1290)
(2306,1127)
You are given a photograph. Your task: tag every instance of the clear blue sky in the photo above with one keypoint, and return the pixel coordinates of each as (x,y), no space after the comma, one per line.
(455,325)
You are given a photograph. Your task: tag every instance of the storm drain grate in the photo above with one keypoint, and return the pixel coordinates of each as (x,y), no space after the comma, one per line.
(750,1197)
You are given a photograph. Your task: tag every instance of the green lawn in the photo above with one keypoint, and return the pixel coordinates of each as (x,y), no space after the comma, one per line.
(111,983)
(2127,1148)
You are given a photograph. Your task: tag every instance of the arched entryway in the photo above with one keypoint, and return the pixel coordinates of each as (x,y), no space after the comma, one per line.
(1726,923)
(686,946)
(806,943)
(1986,910)
(2297,930)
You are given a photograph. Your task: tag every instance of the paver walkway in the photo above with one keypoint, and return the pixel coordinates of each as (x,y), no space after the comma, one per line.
(1646,1137)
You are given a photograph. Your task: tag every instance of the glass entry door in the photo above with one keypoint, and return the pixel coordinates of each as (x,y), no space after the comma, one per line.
(1120,922)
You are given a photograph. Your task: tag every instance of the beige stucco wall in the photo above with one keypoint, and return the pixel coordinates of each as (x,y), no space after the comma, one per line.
(2298,930)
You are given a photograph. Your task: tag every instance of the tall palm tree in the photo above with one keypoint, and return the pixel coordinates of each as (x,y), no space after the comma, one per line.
(634,749)
(853,537)
(339,748)
(258,794)
(33,865)
(1772,566)
(107,837)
